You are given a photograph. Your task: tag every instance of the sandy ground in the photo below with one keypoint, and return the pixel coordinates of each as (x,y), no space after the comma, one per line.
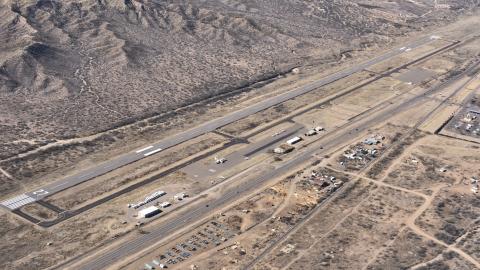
(417,209)
(295,223)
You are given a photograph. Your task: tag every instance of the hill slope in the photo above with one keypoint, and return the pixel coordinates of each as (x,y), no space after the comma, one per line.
(73,68)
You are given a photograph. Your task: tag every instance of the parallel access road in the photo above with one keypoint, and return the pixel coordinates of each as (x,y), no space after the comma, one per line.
(331,142)
(108,166)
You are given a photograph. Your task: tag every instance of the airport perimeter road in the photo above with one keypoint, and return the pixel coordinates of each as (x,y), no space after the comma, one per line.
(242,190)
(29,197)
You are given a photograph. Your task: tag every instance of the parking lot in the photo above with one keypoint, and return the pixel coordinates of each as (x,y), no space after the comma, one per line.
(210,235)
(466,123)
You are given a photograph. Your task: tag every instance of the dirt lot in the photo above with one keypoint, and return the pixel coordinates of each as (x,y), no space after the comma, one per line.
(27,247)
(452,215)
(447,260)
(471,241)
(349,234)
(406,250)
(432,161)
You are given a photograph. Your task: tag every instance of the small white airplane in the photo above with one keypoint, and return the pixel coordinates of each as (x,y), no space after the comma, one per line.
(220,160)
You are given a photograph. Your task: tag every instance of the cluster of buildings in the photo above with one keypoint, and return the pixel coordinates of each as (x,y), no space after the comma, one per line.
(151,211)
(324,181)
(470,123)
(288,145)
(363,152)
(374,139)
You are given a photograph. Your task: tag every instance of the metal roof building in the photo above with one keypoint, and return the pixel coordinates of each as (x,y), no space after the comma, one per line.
(294,140)
(149,212)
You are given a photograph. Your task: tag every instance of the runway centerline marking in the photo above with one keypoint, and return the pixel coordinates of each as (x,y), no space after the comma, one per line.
(144,149)
(153,152)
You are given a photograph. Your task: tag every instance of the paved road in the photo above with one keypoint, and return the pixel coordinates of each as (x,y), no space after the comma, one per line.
(90,173)
(332,141)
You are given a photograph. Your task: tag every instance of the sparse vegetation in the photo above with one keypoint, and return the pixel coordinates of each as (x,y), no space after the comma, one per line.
(84,81)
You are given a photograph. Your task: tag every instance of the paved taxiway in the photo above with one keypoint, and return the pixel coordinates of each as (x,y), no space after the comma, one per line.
(103,168)
(330,142)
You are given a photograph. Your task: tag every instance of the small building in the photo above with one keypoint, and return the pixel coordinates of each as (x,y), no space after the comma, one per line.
(371,141)
(294,140)
(157,263)
(311,132)
(180,196)
(149,212)
(165,204)
(283,149)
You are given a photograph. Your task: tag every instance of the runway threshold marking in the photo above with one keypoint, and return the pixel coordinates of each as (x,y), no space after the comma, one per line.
(144,149)
(17,202)
(306,89)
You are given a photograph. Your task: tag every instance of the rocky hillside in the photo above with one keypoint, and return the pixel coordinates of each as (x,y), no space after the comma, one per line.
(72,68)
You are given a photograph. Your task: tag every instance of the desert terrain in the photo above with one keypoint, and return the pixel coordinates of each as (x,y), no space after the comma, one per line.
(266,134)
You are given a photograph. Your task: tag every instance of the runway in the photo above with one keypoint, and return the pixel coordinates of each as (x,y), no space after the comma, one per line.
(330,142)
(103,168)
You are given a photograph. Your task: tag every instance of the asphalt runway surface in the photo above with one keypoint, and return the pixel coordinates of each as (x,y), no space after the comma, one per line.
(108,166)
(332,141)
